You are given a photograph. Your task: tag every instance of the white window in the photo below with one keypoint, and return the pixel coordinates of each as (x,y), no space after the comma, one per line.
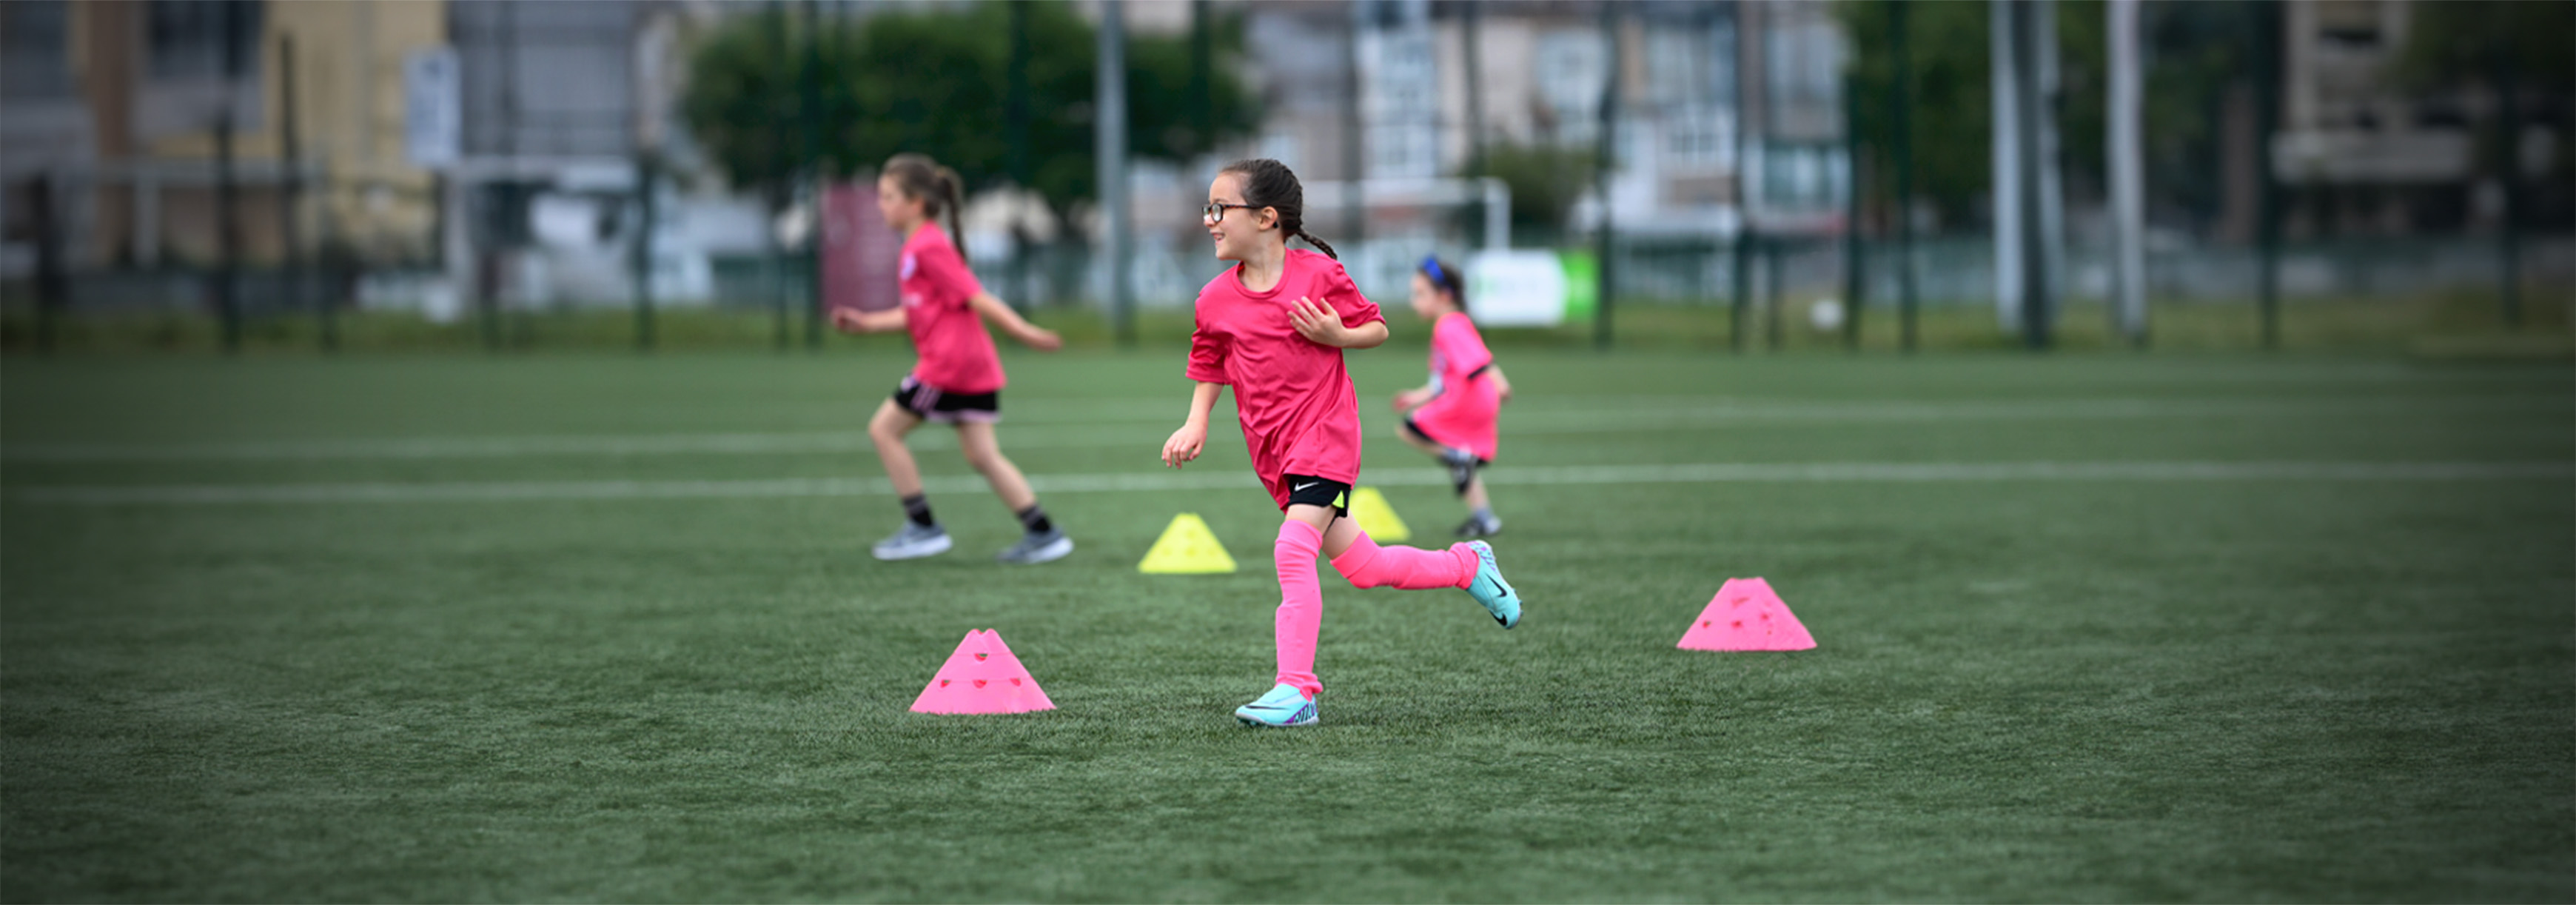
(1402,107)
(1570,70)
(1700,138)
(34,40)
(1676,67)
(1805,62)
(185,38)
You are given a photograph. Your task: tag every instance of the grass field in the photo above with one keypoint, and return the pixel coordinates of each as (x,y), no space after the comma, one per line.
(560,627)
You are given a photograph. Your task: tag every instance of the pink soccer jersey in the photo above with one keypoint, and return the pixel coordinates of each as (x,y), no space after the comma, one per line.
(1463,412)
(1293,395)
(957,356)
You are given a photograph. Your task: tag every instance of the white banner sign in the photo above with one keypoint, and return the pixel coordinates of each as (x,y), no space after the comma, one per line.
(1516,288)
(433,114)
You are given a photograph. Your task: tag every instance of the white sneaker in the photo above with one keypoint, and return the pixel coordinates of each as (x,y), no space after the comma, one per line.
(1037,548)
(913,542)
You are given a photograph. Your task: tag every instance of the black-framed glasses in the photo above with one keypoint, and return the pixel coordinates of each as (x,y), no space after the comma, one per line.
(1216,209)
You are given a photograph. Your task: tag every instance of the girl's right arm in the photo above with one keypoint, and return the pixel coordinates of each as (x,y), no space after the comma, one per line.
(1409,400)
(850,321)
(1187,442)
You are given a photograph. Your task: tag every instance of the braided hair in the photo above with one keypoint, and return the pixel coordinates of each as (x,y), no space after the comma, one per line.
(938,188)
(1269,183)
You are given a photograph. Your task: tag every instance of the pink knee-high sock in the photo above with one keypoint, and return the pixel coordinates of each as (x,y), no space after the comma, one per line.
(1368,565)
(1301,604)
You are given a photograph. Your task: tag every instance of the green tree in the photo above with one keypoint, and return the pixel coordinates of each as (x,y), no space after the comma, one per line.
(2198,52)
(937,81)
(1952,119)
(2470,42)
(2481,44)
(1545,180)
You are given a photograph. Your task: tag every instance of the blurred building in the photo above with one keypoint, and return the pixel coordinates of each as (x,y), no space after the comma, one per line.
(1690,76)
(2367,156)
(528,192)
(1727,113)
(120,102)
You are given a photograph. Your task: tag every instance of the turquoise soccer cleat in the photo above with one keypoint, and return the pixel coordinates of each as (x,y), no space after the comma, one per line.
(1490,589)
(1284,706)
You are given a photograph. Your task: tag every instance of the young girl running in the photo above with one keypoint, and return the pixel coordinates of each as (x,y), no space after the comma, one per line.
(1274,327)
(1452,417)
(958,380)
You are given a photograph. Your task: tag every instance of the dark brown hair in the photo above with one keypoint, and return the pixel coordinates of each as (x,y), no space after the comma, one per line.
(1269,183)
(938,188)
(1445,276)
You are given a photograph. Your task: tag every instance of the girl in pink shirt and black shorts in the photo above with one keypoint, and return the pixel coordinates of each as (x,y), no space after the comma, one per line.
(1273,327)
(958,380)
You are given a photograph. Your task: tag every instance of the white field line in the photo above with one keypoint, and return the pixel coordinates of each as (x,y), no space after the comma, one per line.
(1554,418)
(1234,478)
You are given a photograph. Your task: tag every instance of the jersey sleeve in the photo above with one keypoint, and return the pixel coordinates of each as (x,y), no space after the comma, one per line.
(947,271)
(1461,349)
(1347,301)
(1207,355)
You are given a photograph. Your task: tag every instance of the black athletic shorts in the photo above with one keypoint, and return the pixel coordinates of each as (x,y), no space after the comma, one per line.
(1314,491)
(933,404)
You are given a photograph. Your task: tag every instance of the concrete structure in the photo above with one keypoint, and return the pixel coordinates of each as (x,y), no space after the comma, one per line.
(118,100)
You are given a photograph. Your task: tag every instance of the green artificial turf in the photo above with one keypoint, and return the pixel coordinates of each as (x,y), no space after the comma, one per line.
(566,628)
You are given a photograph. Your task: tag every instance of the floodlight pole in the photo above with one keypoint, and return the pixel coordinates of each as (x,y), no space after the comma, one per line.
(782,188)
(1354,122)
(227,290)
(2508,175)
(1016,128)
(1855,261)
(809,96)
(1901,143)
(1472,37)
(1747,179)
(2128,176)
(1606,158)
(290,194)
(1111,147)
(2267,195)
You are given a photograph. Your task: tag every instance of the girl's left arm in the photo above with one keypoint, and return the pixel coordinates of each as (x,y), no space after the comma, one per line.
(1316,320)
(1502,384)
(1019,328)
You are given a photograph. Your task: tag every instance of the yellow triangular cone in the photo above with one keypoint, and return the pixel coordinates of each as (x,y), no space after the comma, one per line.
(1186,548)
(1369,508)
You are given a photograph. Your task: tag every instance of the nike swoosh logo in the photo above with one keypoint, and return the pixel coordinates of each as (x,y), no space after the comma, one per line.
(1301,487)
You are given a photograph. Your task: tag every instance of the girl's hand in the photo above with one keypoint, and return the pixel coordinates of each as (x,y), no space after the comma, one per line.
(1042,339)
(847,321)
(1318,322)
(1411,399)
(1184,445)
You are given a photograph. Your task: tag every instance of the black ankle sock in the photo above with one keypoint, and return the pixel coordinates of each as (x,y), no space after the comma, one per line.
(917,508)
(1034,518)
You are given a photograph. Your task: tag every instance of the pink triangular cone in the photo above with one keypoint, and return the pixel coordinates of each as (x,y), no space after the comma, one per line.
(982,676)
(1746,615)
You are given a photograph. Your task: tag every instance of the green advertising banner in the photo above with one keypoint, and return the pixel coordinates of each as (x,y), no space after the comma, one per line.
(1582,284)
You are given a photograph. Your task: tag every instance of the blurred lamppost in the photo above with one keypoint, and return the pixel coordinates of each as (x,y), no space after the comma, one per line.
(1110,137)
(1607,159)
